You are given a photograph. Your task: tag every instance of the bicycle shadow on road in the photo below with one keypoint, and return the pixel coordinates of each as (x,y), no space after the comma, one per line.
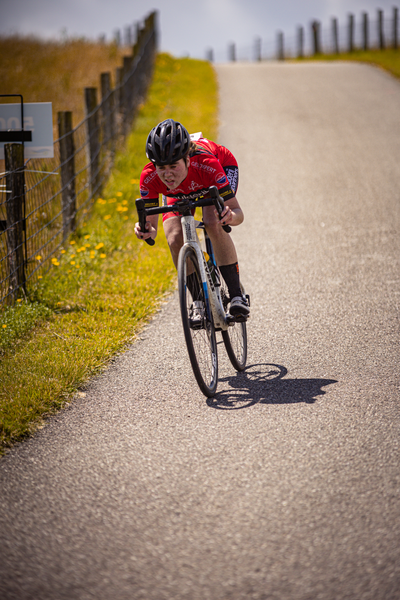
(265,384)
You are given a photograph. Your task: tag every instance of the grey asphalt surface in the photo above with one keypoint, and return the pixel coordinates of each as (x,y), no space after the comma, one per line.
(285,485)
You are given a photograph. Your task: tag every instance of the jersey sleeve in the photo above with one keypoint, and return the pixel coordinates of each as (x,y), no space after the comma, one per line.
(148,186)
(219,178)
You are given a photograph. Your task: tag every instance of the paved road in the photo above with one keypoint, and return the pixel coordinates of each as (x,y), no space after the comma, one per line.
(286,485)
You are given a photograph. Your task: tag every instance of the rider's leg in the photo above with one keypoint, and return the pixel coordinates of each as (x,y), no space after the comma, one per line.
(226,257)
(225,251)
(224,248)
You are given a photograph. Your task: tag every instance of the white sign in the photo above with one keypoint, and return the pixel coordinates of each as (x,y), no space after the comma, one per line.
(38,118)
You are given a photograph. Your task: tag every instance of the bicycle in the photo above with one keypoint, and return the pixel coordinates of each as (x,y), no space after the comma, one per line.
(203,294)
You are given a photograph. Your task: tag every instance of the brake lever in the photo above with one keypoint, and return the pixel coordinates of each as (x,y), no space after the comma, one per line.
(142,219)
(219,205)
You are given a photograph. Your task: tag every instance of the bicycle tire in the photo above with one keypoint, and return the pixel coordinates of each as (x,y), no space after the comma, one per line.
(235,337)
(200,340)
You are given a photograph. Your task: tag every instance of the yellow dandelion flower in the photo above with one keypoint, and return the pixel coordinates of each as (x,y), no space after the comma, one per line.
(112,200)
(69,270)
(19,300)
(135,181)
(4,326)
(87,236)
(124,201)
(126,218)
(107,217)
(59,303)
(56,264)
(103,255)
(73,262)
(76,266)
(101,201)
(63,251)
(119,194)
(100,245)
(40,276)
(81,249)
(38,257)
(87,245)
(72,242)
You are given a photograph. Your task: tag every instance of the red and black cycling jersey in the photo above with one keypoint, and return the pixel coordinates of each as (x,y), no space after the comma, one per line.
(209,165)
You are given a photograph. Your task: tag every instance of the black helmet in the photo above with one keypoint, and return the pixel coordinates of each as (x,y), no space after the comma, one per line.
(167,142)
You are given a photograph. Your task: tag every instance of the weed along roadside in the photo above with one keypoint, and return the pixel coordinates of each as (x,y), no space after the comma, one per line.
(103,284)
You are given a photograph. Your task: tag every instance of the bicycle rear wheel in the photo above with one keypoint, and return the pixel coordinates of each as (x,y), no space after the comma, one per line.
(198,327)
(235,337)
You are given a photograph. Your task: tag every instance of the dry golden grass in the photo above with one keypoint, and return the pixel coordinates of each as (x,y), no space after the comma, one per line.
(57,72)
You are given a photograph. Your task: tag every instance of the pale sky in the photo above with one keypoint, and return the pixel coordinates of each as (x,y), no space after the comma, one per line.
(188,27)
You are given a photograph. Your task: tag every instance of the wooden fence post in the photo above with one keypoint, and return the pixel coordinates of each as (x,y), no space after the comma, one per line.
(381,35)
(335,36)
(128,93)
(300,42)
(67,160)
(351,33)
(119,77)
(365,32)
(395,43)
(257,49)
(232,52)
(93,137)
(281,46)
(128,35)
(315,27)
(15,181)
(107,97)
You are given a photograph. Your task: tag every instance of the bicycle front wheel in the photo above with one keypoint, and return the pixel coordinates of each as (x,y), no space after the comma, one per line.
(235,337)
(198,327)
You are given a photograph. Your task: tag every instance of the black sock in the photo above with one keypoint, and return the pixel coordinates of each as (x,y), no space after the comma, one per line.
(230,273)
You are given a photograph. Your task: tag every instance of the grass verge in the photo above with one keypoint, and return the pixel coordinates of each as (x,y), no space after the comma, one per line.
(388,59)
(105,284)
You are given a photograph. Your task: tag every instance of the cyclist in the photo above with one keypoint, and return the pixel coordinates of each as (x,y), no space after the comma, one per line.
(182,168)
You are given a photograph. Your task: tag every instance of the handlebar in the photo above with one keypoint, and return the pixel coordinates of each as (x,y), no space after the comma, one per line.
(183,207)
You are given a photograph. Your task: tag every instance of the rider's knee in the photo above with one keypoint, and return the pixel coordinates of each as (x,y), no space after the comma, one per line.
(213,227)
(175,240)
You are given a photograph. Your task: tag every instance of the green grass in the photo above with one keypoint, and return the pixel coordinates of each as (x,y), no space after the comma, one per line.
(388,59)
(104,284)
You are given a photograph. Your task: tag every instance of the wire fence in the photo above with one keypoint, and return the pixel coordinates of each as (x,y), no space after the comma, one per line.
(363,33)
(42,201)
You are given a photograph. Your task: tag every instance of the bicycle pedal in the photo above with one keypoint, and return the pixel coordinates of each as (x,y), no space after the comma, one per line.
(240,319)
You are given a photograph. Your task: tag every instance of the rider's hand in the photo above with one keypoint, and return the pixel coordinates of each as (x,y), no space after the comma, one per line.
(226,216)
(149,233)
